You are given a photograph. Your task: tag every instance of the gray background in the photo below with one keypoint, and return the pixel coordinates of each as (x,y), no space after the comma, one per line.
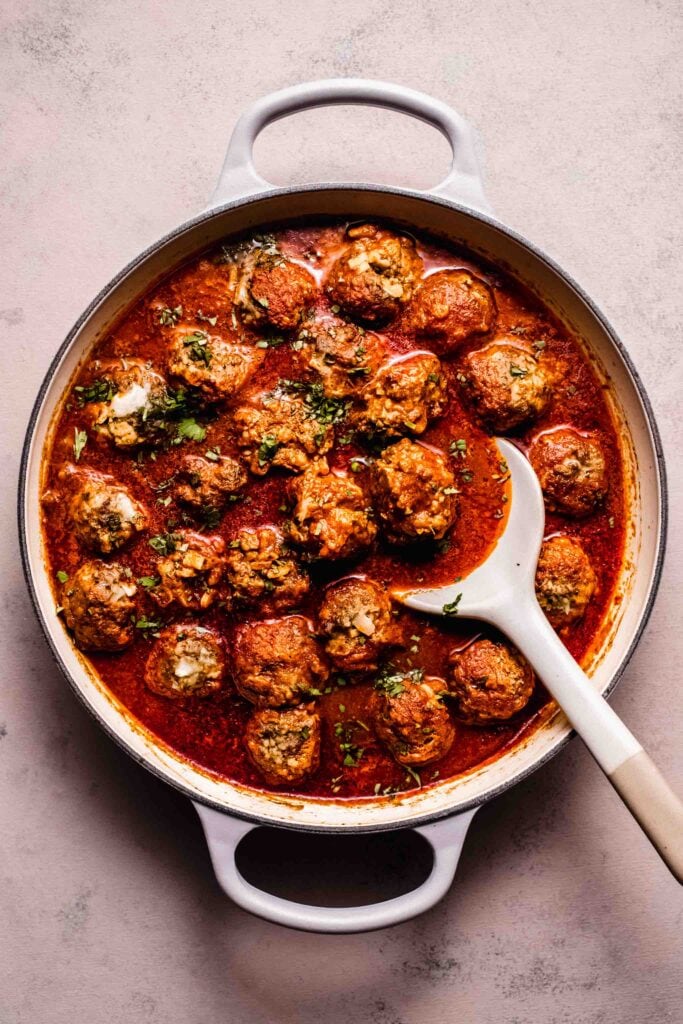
(116,116)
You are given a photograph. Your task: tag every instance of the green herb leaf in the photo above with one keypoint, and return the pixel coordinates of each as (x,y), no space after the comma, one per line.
(198,344)
(148,625)
(149,582)
(164,543)
(62,576)
(80,441)
(169,317)
(100,390)
(189,430)
(267,449)
(517,371)
(452,607)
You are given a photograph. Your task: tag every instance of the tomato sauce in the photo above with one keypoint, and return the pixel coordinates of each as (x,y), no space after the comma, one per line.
(209,731)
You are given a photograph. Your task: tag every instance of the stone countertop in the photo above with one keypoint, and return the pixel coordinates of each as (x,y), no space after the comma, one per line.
(116,117)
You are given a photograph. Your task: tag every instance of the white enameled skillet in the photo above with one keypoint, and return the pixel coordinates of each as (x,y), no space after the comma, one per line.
(457,212)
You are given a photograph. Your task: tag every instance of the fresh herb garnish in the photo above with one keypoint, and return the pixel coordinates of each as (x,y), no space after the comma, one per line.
(517,371)
(319,406)
(100,390)
(164,543)
(169,317)
(198,344)
(148,582)
(267,449)
(146,625)
(458,447)
(62,576)
(213,320)
(273,342)
(80,441)
(452,607)
(189,430)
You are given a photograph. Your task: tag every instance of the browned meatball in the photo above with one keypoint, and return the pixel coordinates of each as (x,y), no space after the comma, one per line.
(376,274)
(412,721)
(451,306)
(331,517)
(273,290)
(284,745)
(133,402)
(185,661)
(260,570)
(104,515)
(571,469)
(507,385)
(565,580)
(278,662)
(414,492)
(403,397)
(218,368)
(190,572)
(491,681)
(208,485)
(344,355)
(357,624)
(99,607)
(278,429)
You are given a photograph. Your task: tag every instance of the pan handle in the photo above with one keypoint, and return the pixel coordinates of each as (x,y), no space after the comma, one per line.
(224,833)
(239,178)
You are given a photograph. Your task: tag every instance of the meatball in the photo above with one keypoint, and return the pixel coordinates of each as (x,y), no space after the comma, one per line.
(284,745)
(133,411)
(451,306)
(357,625)
(99,607)
(331,516)
(375,275)
(278,429)
(186,661)
(508,386)
(218,368)
(261,571)
(104,515)
(344,355)
(208,485)
(412,721)
(278,662)
(571,469)
(403,397)
(414,492)
(565,581)
(273,290)
(490,682)
(190,572)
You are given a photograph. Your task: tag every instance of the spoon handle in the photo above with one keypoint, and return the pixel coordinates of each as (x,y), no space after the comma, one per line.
(636,779)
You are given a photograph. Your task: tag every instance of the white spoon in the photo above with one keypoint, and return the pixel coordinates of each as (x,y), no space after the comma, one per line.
(501,591)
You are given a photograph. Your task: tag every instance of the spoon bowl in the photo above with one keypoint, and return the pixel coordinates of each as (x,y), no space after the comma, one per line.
(501,591)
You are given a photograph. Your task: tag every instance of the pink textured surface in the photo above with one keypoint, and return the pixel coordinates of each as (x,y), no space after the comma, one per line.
(115,119)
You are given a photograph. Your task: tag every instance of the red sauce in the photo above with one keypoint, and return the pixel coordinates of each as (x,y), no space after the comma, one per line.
(208,731)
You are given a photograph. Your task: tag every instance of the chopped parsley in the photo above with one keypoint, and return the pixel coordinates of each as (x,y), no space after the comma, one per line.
(164,543)
(189,430)
(452,607)
(100,390)
(169,317)
(319,406)
(148,582)
(80,441)
(273,342)
(458,447)
(198,344)
(517,371)
(267,449)
(213,454)
(62,576)
(146,625)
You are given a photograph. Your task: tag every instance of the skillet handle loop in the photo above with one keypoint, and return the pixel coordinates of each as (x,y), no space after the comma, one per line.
(239,177)
(224,834)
